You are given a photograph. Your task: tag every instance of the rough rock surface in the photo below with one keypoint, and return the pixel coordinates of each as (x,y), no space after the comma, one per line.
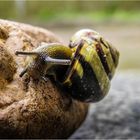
(118,115)
(30,109)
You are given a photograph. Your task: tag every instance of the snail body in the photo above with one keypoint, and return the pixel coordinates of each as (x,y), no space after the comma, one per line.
(46,59)
(85,68)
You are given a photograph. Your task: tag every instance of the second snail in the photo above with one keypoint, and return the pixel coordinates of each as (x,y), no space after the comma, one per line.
(85,68)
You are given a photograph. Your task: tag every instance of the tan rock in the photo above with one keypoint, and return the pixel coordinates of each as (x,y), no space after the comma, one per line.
(30,109)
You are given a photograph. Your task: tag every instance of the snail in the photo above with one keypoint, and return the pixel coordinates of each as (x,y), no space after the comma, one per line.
(85,68)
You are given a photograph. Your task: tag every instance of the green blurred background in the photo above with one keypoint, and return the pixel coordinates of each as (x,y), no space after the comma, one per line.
(118,21)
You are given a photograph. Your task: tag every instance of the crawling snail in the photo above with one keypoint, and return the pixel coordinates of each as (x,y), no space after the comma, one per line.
(85,68)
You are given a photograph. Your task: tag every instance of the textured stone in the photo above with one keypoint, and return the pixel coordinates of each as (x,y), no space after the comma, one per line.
(32,109)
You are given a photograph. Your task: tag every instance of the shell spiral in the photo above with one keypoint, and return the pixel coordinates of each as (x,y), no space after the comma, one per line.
(93,66)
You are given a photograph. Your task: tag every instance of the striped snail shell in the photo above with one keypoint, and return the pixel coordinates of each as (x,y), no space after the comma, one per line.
(93,66)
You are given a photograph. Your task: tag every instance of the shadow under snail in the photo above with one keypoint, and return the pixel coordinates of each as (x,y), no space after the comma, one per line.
(85,68)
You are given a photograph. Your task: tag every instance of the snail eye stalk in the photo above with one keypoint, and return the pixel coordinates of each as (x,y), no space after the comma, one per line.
(25,53)
(57,61)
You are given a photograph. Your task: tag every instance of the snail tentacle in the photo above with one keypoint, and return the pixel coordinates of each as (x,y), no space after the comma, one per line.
(57,61)
(26,53)
(23,72)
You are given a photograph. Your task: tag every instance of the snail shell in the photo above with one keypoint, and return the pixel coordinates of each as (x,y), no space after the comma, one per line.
(93,66)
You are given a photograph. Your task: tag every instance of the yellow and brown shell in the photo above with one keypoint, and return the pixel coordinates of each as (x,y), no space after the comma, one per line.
(93,66)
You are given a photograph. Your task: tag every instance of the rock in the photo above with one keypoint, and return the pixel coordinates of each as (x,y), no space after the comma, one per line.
(118,115)
(7,70)
(30,109)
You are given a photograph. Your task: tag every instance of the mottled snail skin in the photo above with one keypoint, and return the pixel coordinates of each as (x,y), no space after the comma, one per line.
(47,59)
(93,66)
